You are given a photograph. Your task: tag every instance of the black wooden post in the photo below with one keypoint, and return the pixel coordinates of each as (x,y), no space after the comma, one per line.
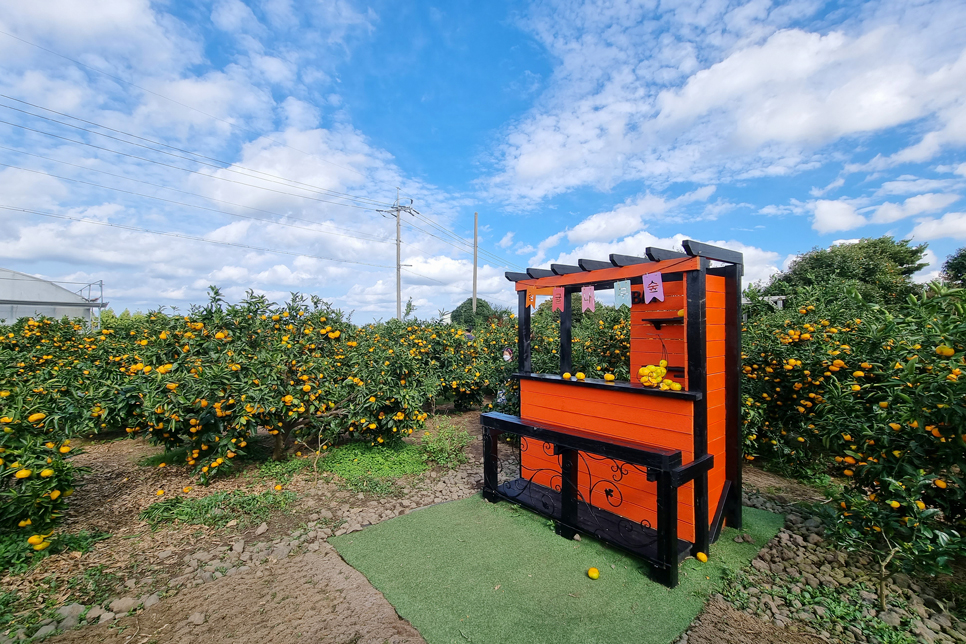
(667,529)
(566,342)
(568,493)
(491,445)
(733,438)
(697,340)
(523,335)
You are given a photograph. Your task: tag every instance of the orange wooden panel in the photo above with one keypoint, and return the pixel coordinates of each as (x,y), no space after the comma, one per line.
(716,300)
(716,283)
(716,381)
(715,316)
(715,333)
(609,414)
(644,436)
(716,364)
(667,332)
(716,348)
(650,346)
(597,396)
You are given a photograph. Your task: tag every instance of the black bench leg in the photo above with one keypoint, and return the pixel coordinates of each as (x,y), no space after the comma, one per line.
(491,442)
(568,494)
(667,530)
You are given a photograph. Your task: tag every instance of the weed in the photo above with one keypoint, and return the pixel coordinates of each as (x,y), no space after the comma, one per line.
(17,556)
(446,446)
(174,457)
(842,606)
(374,469)
(217,509)
(282,471)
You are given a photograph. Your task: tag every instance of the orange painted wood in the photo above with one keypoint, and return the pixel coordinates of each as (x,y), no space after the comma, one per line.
(716,283)
(679,406)
(716,300)
(607,274)
(716,364)
(715,316)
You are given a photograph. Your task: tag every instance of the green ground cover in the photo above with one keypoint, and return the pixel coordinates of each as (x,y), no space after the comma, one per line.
(472,571)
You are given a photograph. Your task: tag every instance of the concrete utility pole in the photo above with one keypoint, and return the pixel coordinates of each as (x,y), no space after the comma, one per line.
(476,245)
(397,209)
(398,258)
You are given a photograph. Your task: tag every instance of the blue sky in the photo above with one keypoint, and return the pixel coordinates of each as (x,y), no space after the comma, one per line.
(575,129)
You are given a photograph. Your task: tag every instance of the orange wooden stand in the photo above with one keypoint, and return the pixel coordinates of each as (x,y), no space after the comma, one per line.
(618,456)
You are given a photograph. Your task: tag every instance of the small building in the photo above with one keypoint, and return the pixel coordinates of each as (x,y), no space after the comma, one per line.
(23,295)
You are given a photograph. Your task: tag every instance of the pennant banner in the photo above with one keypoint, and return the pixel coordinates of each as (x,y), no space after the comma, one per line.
(531,297)
(622,294)
(558,299)
(653,287)
(587,302)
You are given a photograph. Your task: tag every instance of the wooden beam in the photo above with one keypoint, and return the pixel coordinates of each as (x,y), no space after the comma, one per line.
(697,249)
(627,260)
(516,277)
(610,275)
(593,264)
(564,269)
(537,273)
(660,254)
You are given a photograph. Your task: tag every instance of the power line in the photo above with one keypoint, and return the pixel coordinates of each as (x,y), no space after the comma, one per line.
(184,192)
(272,178)
(189,237)
(121,80)
(181,203)
(168,165)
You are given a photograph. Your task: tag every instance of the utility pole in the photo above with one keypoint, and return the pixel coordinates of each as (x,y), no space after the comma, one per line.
(398,258)
(476,245)
(397,209)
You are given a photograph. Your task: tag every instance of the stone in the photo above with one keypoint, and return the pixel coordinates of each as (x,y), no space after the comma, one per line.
(232,523)
(325,514)
(262,529)
(123,605)
(925,633)
(943,620)
(238,547)
(901,580)
(94,613)
(69,623)
(106,617)
(890,618)
(813,522)
(45,631)
(757,564)
(281,551)
(814,539)
(151,600)
(71,610)
(313,546)
(197,618)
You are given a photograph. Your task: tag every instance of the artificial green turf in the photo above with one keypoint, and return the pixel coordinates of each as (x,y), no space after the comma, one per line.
(473,571)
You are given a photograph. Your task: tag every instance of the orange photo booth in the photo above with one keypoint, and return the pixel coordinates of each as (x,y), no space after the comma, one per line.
(653,470)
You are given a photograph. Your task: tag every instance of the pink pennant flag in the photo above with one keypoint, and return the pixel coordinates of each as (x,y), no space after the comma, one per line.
(558,298)
(587,302)
(653,287)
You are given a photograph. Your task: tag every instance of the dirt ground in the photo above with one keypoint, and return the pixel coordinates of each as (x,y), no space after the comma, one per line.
(311,597)
(314,597)
(722,624)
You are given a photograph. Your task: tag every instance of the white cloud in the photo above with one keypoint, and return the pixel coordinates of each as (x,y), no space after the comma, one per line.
(693,92)
(820,192)
(952,225)
(506,241)
(832,216)
(233,16)
(929,202)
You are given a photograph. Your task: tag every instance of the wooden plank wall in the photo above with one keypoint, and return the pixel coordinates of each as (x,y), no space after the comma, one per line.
(716,395)
(648,420)
(648,344)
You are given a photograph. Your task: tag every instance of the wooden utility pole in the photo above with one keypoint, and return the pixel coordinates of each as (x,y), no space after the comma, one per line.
(476,245)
